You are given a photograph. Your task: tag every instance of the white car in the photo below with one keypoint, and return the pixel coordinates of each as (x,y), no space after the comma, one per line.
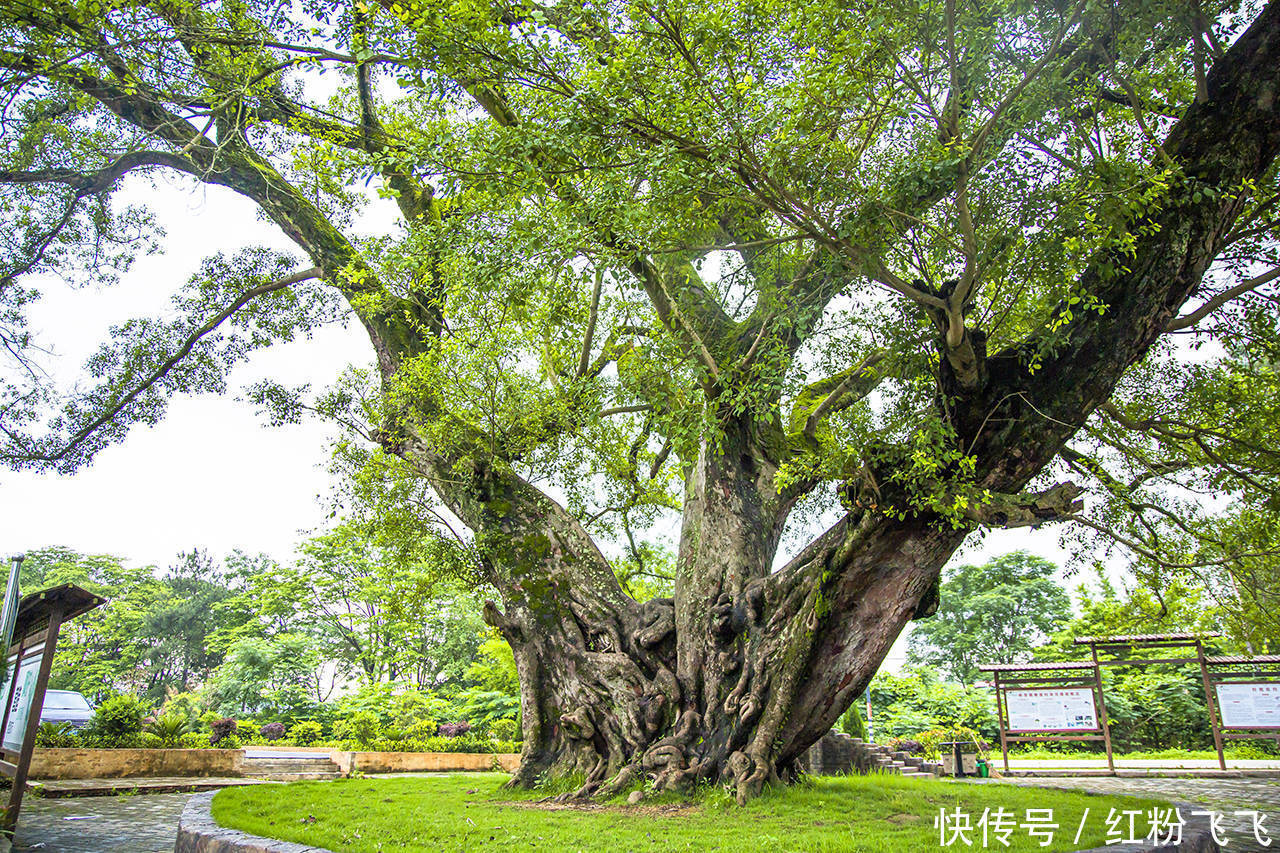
(65,706)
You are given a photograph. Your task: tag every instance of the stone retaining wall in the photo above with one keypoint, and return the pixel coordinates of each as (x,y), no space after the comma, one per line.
(123,763)
(56,764)
(410,762)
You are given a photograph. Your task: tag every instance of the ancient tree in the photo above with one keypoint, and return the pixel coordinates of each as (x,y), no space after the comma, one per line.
(732,266)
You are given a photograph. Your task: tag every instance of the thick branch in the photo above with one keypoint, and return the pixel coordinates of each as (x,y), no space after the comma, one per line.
(837,392)
(1054,504)
(90,183)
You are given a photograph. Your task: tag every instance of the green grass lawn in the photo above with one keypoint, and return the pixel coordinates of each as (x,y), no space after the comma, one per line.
(473,812)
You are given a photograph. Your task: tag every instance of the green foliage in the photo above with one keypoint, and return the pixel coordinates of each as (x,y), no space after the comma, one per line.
(362,726)
(153,635)
(116,720)
(468,743)
(484,707)
(1150,707)
(851,722)
(918,701)
(503,729)
(999,612)
(169,728)
(494,667)
(932,740)
(184,705)
(56,735)
(305,732)
(194,740)
(231,741)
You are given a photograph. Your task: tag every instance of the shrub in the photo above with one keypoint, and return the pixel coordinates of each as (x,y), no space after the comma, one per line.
(229,742)
(908,745)
(363,727)
(56,735)
(193,740)
(117,719)
(272,731)
(169,729)
(221,729)
(306,732)
(502,730)
(464,743)
(852,724)
(455,729)
(185,705)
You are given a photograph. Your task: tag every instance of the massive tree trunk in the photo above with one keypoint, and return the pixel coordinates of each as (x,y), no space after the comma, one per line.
(733,678)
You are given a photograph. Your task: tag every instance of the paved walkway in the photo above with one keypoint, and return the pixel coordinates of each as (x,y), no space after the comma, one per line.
(129,824)
(142,785)
(1221,795)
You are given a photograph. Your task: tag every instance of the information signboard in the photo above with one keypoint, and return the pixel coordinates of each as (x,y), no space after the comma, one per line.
(20,706)
(1057,710)
(1249,705)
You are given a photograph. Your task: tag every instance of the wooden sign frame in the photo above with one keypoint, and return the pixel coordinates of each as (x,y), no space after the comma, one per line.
(40,617)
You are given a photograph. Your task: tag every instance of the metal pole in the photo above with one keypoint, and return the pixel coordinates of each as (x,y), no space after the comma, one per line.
(1212,704)
(871,735)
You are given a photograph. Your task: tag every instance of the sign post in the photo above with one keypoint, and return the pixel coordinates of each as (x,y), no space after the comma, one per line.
(1244,697)
(1037,702)
(30,646)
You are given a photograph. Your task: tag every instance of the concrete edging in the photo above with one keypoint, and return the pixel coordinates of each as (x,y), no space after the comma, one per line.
(197,833)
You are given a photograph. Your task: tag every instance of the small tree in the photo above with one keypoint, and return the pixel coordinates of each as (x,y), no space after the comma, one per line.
(998,612)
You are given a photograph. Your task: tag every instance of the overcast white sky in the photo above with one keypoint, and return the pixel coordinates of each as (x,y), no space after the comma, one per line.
(213,474)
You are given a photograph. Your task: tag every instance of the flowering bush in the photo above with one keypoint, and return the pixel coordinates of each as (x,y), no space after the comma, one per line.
(272,731)
(221,729)
(454,729)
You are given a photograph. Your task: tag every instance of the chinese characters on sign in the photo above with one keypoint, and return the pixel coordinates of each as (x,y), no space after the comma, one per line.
(20,706)
(1058,710)
(996,827)
(1249,705)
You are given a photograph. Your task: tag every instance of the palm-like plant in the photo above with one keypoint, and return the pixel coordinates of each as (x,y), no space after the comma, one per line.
(170,728)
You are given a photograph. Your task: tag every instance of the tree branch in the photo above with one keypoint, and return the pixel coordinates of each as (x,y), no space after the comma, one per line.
(1028,510)
(1186,321)
(169,363)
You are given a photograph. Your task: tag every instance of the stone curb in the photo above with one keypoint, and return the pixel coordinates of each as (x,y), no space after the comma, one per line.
(197,833)
(1141,773)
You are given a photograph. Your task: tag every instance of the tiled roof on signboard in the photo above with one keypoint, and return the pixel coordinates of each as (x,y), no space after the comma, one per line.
(1140,638)
(1241,660)
(1033,667)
